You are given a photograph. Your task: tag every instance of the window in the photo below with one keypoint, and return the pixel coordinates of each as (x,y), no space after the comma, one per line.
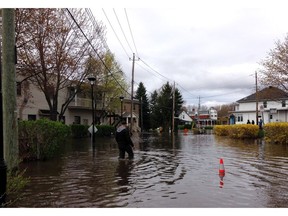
(283,103)
(18,87)
(265,104)
(85,121)
(77,120)
(239,118)
(31,117)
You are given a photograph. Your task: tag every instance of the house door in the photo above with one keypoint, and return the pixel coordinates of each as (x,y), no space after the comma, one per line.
(232,119)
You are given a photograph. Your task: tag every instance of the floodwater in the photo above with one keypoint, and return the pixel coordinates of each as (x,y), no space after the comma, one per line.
(179,171)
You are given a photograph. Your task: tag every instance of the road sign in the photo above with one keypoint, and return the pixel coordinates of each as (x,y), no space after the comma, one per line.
(90,129)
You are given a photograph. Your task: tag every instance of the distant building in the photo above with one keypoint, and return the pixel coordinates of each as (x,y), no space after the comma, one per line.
(184,117)
(204,117)
(272,107)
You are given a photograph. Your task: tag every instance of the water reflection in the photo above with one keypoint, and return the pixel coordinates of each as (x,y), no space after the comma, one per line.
(123,171)
(178,171)
(221,173)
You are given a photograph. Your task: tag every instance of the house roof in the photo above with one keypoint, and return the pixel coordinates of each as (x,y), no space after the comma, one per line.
(184,117)
(269,93)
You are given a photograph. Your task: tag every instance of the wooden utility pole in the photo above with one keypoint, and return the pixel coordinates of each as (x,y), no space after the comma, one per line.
(132,89)
(256,86)
(132,92)
(10,123)
(141,103)
(173,110)
(3,167)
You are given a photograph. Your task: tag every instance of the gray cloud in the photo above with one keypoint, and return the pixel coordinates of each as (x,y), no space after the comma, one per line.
(211,53)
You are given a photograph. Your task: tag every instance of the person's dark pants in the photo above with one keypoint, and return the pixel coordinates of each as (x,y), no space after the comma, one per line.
(127,149)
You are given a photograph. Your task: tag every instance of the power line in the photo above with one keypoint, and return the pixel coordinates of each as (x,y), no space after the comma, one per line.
(131,32)
(122,30)
(96,26)
(73,18)
(115,33)
(146,64)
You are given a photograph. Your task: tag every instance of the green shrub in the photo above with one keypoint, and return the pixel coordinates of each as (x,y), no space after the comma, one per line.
(186,126)
(105,130)
(79,131)
(208,127)
(276,132)
(41,139)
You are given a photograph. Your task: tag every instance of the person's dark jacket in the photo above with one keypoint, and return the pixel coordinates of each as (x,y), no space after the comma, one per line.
(122,137)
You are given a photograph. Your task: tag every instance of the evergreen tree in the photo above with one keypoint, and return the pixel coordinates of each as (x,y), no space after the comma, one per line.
(162,106)
(144,107)
(155,112)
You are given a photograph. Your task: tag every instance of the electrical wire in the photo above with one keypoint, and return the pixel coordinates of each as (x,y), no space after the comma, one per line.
(115,33)
(73,18)
(131,32)
(122,30)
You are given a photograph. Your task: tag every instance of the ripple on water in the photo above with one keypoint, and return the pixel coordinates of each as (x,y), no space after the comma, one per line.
(164,176)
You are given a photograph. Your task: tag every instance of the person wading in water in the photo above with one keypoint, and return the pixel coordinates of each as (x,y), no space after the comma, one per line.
(124,141)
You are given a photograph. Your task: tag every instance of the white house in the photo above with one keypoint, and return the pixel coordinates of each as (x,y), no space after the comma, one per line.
(184,117)
(272,107)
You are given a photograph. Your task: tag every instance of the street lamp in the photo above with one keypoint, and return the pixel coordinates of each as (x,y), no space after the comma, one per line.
(92,80)
(121,98)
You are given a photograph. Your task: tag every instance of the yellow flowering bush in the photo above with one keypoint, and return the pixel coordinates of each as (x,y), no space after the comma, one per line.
(221,130)
(242,131)
(276,132)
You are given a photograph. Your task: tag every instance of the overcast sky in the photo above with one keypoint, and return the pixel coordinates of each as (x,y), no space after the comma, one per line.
(210,52)
(210,49)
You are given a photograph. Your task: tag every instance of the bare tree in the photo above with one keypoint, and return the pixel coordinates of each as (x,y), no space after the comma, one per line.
(275,66)
(52,51)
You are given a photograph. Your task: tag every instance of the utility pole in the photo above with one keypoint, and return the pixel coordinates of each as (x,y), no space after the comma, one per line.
(173,109)
(11,151)
(9,125)
(3,167)
(132,92)
(141,102)
(256,86)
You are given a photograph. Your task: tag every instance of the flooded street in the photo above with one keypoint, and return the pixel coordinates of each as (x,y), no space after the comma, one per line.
(167,172)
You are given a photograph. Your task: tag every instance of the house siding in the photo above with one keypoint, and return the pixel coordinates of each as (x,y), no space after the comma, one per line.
(31,100)
(273,112)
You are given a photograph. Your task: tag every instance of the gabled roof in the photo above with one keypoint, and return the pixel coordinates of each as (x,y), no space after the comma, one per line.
(267,94)
(184,117)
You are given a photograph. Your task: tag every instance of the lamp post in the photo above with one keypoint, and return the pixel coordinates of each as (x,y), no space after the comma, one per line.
(121,98)
(3,167)
(92,82)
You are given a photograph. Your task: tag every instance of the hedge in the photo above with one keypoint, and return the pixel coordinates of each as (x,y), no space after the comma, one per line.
(41,139)
(276,132)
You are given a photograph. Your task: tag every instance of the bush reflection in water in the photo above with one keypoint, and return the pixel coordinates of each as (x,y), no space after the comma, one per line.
(167,172)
